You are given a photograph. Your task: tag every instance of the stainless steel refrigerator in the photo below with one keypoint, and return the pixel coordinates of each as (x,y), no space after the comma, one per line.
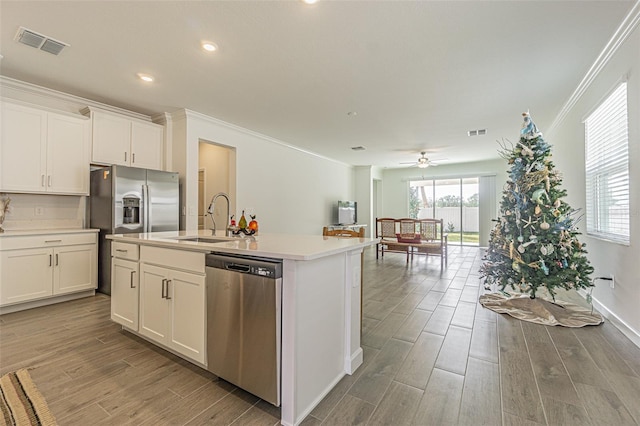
(127,200)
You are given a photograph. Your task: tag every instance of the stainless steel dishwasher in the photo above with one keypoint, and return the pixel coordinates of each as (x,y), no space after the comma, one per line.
(244,322)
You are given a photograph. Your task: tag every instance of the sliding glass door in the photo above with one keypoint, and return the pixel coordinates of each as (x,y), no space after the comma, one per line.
(455,201)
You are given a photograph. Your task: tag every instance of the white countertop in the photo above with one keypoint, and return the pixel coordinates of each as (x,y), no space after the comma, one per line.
(277,246)
(25,232)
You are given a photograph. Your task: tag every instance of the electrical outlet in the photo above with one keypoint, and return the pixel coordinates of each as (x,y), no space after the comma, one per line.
(39,211)
(612,283)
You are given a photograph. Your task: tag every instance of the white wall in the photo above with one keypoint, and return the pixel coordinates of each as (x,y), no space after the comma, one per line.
(395,185)
(623,301)
(291,191)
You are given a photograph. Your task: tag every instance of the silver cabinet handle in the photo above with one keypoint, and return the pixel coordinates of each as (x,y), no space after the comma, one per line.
(125,156)
(167,297)
(53,241)
(122,250)
(50,260)
(132,272)
(49,180)
(56,259)
(42,183)
(164,281)
(133,157)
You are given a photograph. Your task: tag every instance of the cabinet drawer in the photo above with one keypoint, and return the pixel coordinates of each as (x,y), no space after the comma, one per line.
(178,259)
(47,240)
(125,250)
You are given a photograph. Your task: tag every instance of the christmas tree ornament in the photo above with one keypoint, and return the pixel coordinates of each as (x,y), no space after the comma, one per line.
(537,211)
(545,226)
(538,194)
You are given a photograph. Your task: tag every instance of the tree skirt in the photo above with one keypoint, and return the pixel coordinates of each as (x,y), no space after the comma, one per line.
(541,311)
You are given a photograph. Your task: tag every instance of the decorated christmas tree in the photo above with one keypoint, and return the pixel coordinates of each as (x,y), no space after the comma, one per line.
(534,244)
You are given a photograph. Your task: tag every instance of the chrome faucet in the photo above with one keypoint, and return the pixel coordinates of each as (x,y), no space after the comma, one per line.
(212,207)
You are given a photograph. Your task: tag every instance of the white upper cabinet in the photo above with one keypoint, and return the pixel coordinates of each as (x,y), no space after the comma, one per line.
(43,151)
(126,141)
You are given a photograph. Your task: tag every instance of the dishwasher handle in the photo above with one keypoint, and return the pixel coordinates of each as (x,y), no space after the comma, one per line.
(238,267)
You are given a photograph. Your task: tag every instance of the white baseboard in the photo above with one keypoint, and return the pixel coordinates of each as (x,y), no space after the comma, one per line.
(625,328)
(354,361)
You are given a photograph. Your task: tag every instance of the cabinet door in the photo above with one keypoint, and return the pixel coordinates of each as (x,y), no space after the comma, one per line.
(187,292)
(154,307)
(75,268)
(147,140)
(124,292)
(111,139)
(23,149)
(25,275)
(68,154)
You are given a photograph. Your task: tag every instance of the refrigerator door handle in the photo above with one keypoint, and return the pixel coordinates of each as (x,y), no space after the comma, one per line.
(146,218)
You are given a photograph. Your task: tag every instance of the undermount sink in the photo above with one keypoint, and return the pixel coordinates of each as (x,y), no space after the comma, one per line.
(202,239)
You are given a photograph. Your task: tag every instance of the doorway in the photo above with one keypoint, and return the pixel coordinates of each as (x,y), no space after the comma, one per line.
(216,168)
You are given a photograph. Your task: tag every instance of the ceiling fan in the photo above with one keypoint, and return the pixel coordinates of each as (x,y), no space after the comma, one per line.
(423,162)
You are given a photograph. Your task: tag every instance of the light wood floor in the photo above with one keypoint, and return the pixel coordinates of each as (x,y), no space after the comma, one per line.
(432,356)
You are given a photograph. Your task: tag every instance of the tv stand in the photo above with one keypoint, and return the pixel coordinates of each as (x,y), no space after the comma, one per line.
(352,226)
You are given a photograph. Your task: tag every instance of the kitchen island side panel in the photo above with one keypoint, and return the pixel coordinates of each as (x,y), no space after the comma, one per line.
(317,333)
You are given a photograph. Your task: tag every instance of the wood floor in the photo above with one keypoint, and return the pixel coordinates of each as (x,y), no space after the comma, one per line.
(432,356)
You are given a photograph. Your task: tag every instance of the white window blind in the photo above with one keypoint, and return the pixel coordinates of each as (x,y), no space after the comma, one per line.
(607,168)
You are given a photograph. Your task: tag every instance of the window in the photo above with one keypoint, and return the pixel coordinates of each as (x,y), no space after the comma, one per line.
(607,168)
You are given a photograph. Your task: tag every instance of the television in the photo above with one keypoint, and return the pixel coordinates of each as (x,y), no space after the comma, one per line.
(347,212)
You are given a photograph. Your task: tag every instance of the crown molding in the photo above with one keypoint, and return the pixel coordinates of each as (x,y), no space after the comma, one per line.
(193,115)
(33,89)
(621,35)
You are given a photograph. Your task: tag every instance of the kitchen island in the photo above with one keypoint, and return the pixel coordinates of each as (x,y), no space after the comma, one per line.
(320,312)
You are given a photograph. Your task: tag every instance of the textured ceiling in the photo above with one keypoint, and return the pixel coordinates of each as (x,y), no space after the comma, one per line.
(419,74)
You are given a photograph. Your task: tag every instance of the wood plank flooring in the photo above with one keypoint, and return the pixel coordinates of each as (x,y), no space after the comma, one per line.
(432,356)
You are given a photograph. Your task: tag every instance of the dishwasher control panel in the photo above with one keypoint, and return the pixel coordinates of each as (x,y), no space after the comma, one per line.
(267,268)
(264,272)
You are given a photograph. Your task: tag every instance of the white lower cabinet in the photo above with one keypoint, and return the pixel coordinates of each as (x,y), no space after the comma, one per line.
(38,267)
(172,309)
(74,268)
(25,275)
(124,292)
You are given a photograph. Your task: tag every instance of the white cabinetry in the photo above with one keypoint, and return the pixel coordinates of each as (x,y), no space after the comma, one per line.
(43,151)
(126,141)
(43,266)
(172,300)
(124,284)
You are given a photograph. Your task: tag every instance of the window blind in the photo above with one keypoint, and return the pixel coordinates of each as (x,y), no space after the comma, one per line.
(607,168)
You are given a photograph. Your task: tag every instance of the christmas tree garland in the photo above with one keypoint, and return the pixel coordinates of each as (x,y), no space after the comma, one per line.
(534,243)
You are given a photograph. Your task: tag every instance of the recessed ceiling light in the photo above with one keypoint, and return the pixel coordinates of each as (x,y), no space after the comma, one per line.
(209,46)
(352,113)
(310,1)
(145,77)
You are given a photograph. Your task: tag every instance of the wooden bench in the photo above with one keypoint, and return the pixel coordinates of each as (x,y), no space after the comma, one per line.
(412,236)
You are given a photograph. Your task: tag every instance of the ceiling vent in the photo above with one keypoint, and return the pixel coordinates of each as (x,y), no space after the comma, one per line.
(479,132)
(39,41)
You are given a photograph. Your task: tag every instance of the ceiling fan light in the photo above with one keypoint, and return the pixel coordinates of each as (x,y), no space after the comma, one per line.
(423,165)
